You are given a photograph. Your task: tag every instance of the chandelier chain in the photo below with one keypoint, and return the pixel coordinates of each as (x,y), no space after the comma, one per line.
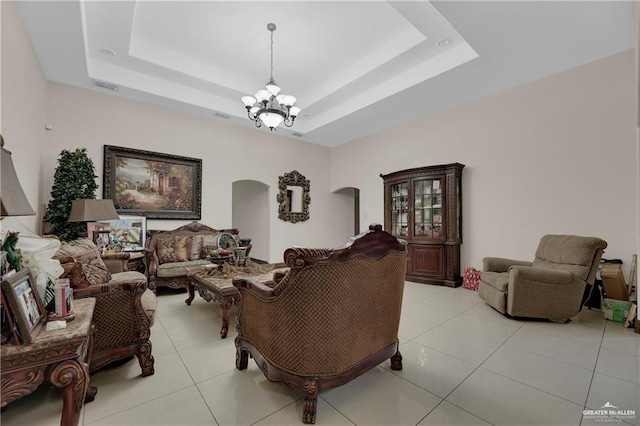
(271,55)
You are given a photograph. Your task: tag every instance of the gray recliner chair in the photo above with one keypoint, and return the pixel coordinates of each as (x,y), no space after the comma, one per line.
(552,286)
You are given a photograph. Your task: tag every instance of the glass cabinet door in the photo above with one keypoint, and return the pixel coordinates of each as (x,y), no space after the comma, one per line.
(427,204)
(400,209)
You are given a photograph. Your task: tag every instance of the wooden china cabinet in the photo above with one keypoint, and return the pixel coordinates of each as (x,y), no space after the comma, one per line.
(424,207)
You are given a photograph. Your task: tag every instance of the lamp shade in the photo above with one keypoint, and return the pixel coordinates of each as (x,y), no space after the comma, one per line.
(89,210)
(13,201)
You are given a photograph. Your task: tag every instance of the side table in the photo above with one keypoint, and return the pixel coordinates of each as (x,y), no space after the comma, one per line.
(61,357)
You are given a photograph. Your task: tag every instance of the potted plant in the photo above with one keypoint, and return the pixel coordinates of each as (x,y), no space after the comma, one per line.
(75,178)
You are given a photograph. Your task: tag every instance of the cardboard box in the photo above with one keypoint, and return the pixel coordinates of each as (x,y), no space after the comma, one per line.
(613,282)
(615,310)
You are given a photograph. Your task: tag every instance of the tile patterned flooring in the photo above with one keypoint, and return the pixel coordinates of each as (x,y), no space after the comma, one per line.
(464,364)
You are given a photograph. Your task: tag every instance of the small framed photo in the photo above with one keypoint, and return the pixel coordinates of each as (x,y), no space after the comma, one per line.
(96,226)
(102,239)
(25,304)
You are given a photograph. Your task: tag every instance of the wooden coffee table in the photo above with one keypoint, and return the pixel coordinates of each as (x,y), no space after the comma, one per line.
(220,288)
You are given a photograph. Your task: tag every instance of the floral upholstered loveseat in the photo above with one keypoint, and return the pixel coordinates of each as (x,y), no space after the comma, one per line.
(170,253)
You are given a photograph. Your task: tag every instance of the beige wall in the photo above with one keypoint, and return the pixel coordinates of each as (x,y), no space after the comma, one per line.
(23,106)
(83,118)
(557,155)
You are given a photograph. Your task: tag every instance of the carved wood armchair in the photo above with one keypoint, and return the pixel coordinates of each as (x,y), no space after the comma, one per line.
(125,308)
(331,318)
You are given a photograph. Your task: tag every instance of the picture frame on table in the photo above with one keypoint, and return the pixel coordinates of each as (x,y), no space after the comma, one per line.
(94,227)
(164,186)
(25,304)
(128,232)
(102,239)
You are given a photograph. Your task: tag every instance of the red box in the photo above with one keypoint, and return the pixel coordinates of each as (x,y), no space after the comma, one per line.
(471,278)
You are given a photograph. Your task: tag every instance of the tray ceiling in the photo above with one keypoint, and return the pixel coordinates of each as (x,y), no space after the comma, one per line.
(356,67)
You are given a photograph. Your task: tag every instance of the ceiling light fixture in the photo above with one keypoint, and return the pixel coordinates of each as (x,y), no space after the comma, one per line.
(268,106)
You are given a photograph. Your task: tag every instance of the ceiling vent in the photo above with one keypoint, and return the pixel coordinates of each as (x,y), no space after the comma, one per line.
(221,115)
(105,85)
(297,134)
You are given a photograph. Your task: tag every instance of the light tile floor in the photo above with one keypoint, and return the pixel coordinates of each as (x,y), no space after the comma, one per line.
(464,364)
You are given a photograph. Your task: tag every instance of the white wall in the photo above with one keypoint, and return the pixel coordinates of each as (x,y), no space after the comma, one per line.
(83,118)
(556,155)
(23,109)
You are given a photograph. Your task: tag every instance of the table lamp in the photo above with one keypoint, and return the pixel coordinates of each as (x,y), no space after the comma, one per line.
(13,202)
(91,210)
(12,198)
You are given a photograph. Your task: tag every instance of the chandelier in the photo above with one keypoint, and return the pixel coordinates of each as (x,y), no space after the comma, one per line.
(268,106)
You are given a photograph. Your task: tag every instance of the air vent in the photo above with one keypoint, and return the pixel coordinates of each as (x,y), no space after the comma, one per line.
(105,85)
(297,134)
(221,115)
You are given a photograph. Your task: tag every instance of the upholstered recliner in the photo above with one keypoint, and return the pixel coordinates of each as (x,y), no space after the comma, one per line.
(551,287)
(125,307)
(331,318)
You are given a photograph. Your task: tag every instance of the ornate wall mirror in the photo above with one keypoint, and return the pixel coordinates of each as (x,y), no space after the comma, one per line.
(293,197)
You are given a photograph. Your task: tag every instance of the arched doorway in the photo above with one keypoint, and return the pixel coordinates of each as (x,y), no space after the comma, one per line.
(353,194)
(250,214)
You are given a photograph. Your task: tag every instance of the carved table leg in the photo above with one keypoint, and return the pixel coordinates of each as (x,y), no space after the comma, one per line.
(72,377)
(310,401)
(192,294)
(91,390)
(225,307)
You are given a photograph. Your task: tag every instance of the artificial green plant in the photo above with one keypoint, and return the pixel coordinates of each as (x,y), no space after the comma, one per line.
(75,178)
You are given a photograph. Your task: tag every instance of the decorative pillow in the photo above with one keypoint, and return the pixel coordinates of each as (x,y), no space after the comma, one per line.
(210,239)
(172,249)
(196,247)
(86,252)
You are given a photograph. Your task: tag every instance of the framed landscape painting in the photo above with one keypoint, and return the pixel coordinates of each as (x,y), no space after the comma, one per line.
(164,186)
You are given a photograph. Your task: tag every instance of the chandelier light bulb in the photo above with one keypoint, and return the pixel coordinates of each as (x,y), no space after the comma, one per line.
(269,106)
(248,101)
(294,111)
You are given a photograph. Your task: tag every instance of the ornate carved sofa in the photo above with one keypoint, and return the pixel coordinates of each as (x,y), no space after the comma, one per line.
(331,318)
(170,253)
(125,308)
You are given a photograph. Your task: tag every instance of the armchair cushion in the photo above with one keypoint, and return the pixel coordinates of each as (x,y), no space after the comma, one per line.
(178,269)
(498,280)
(85,252)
